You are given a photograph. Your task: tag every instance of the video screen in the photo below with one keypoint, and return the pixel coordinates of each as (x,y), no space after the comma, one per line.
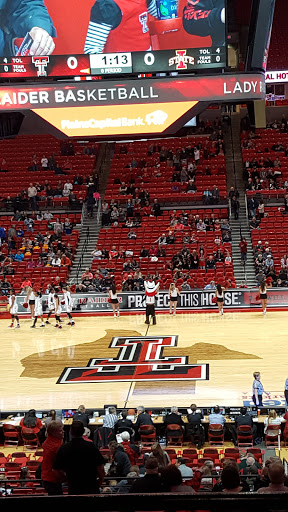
(46,27)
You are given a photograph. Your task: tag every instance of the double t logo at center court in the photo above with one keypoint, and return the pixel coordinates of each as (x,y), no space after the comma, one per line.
(139,359)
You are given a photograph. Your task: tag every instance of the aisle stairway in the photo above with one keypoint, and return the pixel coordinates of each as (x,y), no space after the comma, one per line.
(240,227)
(91,227)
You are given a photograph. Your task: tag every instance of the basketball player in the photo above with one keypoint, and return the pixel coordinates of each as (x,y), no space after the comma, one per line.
(151,290)
(68,304)
(58,310)
(119,26)
(13,309)
(38,310)
(51,303)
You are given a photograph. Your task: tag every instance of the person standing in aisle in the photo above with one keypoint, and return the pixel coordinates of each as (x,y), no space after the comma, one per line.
(174,293)
(113,298)
(263,296)
(219,294)
(243,250)
(258,390)
(38,309)
(51,303)
(68,304)
(13,309)
(151,290)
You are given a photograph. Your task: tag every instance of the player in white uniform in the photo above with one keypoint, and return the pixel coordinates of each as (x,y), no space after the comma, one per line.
(68,304)
(38,309)
(13,309)
(51,304)
(58,310)
(30,298)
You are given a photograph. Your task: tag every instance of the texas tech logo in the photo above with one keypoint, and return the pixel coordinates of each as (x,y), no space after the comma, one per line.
(41,64)
(143,18)
(181,60)
(139,359)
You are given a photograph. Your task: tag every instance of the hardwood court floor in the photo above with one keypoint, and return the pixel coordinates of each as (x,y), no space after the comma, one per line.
(234,346)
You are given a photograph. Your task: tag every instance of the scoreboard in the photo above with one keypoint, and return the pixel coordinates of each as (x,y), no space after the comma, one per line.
(109,64)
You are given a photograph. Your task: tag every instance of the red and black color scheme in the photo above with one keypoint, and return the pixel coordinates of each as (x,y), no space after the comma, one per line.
(139,359)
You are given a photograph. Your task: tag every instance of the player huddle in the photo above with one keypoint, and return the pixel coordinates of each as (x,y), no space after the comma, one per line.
(34,301)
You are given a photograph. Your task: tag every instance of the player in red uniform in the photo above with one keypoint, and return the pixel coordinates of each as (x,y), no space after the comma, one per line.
(119,26)
(205,18)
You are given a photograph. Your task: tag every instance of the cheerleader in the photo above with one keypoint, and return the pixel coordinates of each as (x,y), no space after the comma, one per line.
(113,298)
(13,309)
(30,298)
(263,296)
(58,310)
(38,310)
(51,303)
(219,295)
(173,296)
(68,304)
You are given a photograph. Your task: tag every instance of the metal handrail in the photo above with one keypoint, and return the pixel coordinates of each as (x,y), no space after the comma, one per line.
(83,252)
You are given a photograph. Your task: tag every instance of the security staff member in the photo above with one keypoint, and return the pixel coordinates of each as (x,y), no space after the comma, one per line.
(17,18)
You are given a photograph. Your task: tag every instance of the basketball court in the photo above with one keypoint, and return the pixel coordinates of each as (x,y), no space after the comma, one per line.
(46,368)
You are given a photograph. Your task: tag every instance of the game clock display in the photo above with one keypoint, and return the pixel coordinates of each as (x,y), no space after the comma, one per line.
(109,64)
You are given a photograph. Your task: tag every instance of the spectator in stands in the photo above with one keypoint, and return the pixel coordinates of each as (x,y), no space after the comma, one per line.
(48,215)
(82,463)
(210,263)
(58,228)
(191,187)
(121,464)
(243,249)
(231,480)
(87,275)
(19,256)
(215,195)
(276,475)
(51,479)
(151,482)
(172,480)
(156,208)
(210,286)
(186,472)
(254,224)
(30,420)
(207,195)
(132,451)
(235,207)
(5,286)
(252,205)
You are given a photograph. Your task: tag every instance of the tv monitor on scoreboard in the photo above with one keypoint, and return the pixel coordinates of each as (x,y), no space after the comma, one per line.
(108,37)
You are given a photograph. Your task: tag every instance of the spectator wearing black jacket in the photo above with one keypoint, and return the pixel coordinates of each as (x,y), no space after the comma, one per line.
(121,463)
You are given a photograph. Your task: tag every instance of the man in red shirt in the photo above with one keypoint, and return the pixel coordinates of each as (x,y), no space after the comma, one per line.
(243,249)
(51,478)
